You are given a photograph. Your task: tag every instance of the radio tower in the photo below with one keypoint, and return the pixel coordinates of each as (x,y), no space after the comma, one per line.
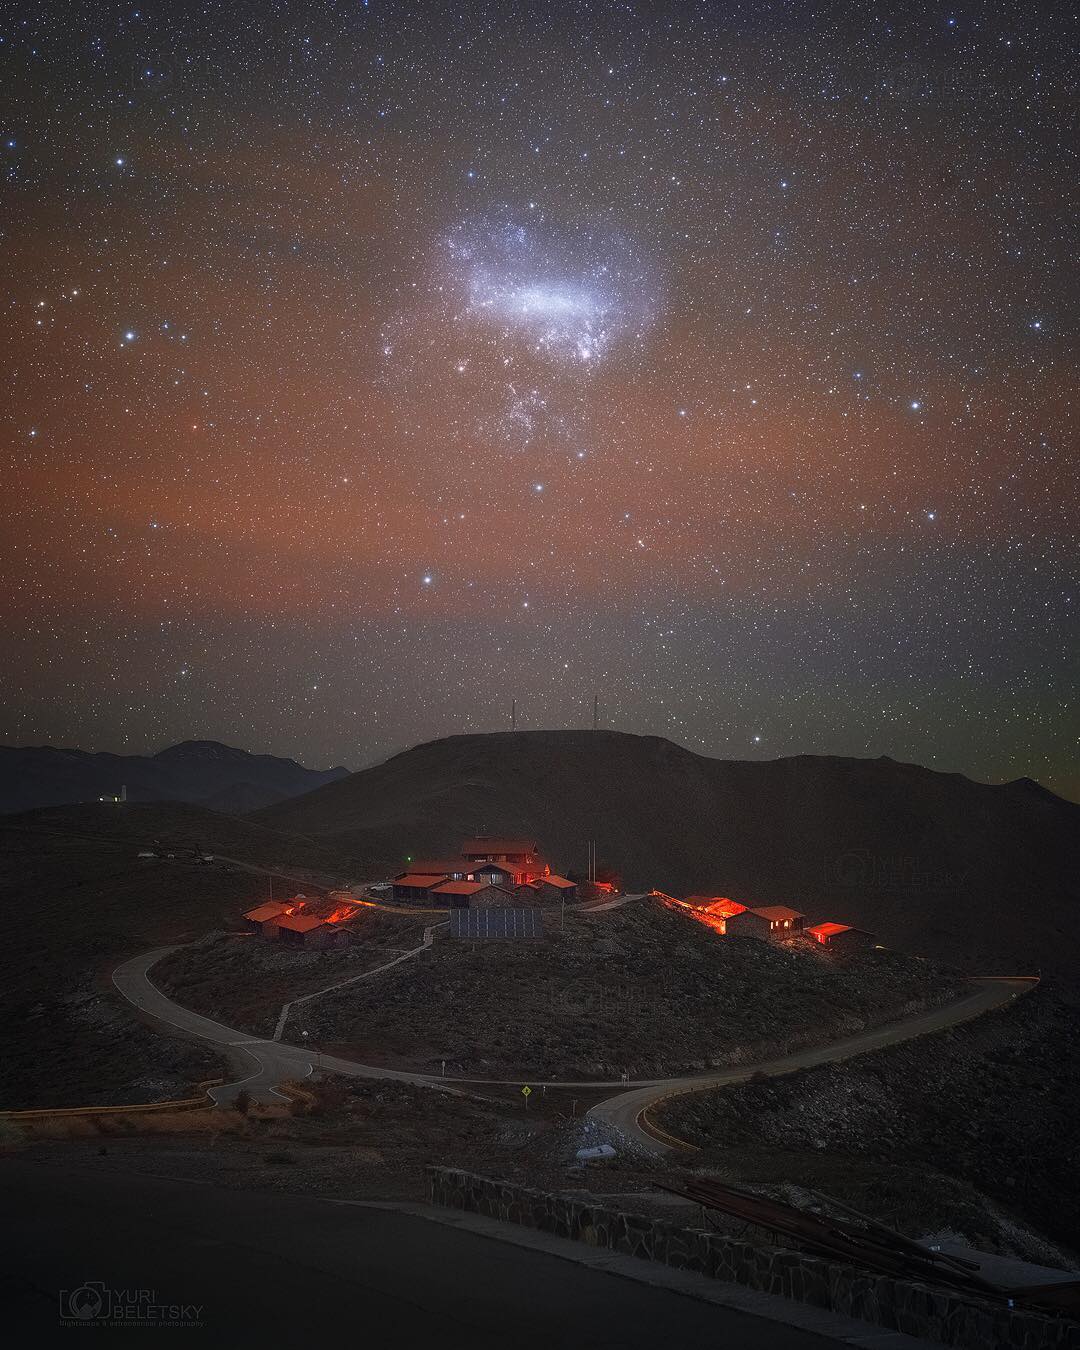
(513,714)
(596,712)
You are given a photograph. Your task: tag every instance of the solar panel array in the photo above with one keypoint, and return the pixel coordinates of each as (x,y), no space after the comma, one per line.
(496,921)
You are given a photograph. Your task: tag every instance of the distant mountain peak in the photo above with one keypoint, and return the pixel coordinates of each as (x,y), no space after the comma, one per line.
(200,750)
(224,777)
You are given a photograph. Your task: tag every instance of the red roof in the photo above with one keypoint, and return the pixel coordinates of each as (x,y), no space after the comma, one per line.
(553,880)
(460,887)
(299,923)
(437,867)
(422,880)
(719,907)
(268,911)
(829,929)
(777,912)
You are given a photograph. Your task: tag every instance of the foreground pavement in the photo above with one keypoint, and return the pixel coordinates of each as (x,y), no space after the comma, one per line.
(241,1265)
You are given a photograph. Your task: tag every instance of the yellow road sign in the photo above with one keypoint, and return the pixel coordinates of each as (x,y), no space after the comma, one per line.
(526,1090)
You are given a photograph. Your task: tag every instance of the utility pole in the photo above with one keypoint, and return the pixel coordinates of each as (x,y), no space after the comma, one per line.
(513,714)
(596,712)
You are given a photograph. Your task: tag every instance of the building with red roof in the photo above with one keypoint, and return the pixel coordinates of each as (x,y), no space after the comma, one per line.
(417,887)
(766,921)
(840,936)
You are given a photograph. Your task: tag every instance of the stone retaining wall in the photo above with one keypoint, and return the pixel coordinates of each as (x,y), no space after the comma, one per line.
(917,1309)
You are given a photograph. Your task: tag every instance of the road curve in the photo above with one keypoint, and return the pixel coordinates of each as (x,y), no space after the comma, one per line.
(623,1113)
(272,1062)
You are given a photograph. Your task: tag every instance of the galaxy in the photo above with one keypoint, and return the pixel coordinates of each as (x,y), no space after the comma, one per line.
(569,298)
(369,366)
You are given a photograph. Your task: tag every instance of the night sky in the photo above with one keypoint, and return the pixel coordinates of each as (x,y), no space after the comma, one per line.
(367,365)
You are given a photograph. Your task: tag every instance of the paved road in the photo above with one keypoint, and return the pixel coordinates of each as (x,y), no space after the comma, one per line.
(602,906)
(275,1061)
(623,1112)
(269,1062)
(284,1270)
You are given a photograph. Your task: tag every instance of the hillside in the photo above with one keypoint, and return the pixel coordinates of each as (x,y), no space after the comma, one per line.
(219,776)
(991,1103)
(932,862)
(640,989)
(77,900)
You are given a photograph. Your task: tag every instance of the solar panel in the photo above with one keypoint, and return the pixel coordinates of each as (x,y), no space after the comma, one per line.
(496,921)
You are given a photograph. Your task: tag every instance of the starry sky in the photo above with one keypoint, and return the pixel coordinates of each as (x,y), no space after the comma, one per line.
(368,364)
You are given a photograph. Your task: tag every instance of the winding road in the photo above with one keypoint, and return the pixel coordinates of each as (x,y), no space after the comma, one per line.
(626,1112)
(276,1061)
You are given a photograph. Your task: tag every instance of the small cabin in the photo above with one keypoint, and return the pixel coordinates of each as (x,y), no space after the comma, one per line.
(457,894)
(766,922)
(554,889)
(841,937)
(418,888)
(255,919)
(307,930)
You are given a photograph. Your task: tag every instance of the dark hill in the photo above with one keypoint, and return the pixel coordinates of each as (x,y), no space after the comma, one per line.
(931,862)
(193,771)
(74,889)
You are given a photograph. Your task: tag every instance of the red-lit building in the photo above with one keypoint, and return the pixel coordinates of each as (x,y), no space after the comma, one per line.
(765,922)
(419,887)
(486,860)
(841,937)
(308,930)
(262,914)
(494,873)
(470,894)
(521,856)
(554,889)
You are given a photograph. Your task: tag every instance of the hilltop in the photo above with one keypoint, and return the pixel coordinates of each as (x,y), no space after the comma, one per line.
(220,776)
(932,862)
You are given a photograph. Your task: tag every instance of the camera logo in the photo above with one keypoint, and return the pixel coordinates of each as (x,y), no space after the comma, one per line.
(85,1304)
(93,1303)
(853,868)
(858,868)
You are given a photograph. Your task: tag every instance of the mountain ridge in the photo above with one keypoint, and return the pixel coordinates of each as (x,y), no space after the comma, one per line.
(219,775)
(932,861)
